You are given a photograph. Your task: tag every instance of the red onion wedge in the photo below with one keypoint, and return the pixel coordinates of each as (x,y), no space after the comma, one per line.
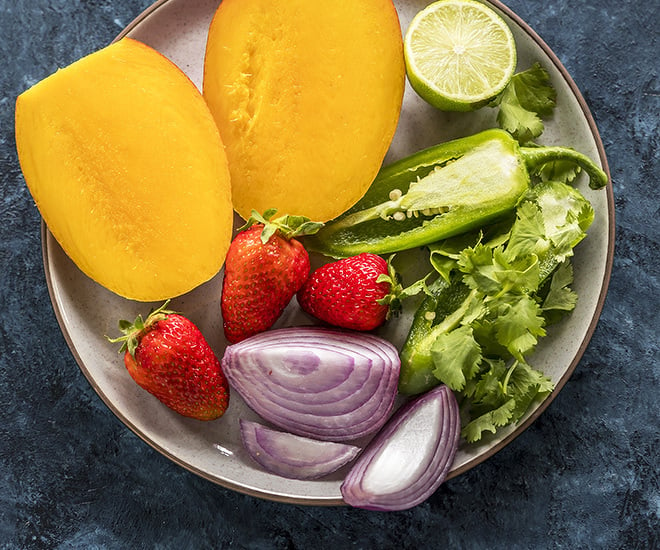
(294,456)
(409,458)
(316,382)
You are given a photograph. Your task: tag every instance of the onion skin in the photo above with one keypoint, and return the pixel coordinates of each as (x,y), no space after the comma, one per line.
(316,382)
(294,456)
(409,458)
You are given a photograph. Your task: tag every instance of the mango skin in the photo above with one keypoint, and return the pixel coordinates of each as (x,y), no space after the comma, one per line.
(307,97)
(127,168)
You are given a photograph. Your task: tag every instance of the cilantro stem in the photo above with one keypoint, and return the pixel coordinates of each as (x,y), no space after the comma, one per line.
(509,372)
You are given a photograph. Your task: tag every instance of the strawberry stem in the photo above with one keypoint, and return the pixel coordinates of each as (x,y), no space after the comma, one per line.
(131,332)
(397,291)
(286,226)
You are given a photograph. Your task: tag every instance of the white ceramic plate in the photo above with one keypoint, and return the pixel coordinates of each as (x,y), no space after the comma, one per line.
(86,311)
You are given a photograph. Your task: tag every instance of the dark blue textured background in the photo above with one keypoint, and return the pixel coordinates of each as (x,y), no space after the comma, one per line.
(585,475)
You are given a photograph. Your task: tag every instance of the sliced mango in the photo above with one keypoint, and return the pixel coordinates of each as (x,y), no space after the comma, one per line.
(126,165)
(307,96)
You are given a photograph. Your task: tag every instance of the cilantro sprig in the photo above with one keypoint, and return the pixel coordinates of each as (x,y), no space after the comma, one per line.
(527,99)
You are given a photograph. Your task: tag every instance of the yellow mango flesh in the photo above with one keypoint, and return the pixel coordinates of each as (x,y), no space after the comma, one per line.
(126,165)
(307,96)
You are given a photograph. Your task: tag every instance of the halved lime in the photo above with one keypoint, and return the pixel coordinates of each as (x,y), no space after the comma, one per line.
(459,54)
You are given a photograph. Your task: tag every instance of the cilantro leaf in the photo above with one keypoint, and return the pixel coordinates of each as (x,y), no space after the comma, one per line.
(566,216)
(528,232)
(522,124)
(492,271)
(489,421)
(558,170)
(534,90)
(444,254)
(442,263)
(503,395)
(480,268)
(527,98)
(456,356)
(487,392)
(560,298)
(525,384)
(520,275)
(518,325)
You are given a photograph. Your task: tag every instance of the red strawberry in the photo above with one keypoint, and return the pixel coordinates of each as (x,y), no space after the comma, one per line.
(168,356)
(264,268)
(357,293)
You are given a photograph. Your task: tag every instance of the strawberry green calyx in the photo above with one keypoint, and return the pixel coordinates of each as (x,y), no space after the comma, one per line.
(286,226)
(131,332)
(398,292)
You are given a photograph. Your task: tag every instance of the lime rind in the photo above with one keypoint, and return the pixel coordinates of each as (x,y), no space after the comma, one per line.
(459,54)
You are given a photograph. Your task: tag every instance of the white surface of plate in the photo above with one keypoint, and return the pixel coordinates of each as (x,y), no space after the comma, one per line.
(87,312)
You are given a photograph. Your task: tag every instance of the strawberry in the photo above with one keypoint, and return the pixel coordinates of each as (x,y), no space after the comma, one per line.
(168,356)
(358,293)
(264,268)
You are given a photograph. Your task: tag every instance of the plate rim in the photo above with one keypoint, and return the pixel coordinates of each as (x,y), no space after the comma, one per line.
(519,429)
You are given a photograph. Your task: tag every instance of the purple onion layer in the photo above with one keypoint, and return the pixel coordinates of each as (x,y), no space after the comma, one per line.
(409,458)
(316,382)
(291,455)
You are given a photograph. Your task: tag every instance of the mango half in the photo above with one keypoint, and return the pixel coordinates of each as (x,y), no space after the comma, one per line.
(127,168)
(307,97)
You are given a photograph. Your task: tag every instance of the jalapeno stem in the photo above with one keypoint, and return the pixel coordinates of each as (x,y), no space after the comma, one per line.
(538,156)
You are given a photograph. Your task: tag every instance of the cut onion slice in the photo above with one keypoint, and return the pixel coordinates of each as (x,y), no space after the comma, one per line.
(316,382)
(294,456)
(410,458)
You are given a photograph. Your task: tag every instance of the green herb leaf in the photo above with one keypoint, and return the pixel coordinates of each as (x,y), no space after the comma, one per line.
(560,298)
(492,271)
(558,170)
(503,395)
(522,124)
(518,325)
(526,384)
(528,98)
(488,391)
(566,216)
(489,421)
(528,233)
(456,356)
(480,269)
